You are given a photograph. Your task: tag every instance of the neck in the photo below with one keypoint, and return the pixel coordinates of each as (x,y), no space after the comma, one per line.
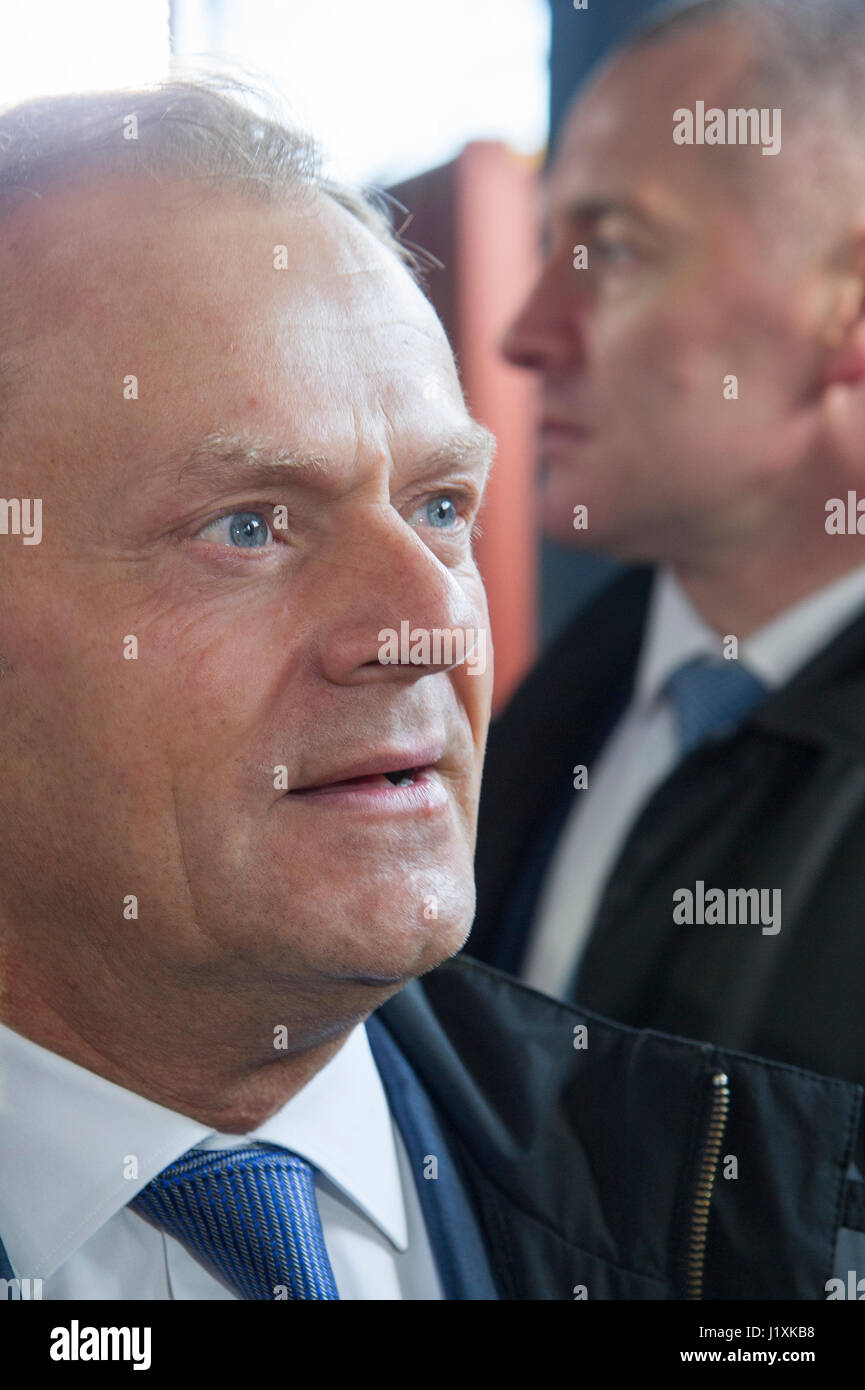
(739,592)
(218,1055)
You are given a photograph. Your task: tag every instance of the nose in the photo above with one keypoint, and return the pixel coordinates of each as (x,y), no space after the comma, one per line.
(548,330)
(390,596)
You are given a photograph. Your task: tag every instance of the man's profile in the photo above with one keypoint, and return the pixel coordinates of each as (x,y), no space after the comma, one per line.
(697,730)
(232,833)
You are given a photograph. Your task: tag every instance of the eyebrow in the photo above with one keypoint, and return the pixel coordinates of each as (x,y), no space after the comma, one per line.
(229,459)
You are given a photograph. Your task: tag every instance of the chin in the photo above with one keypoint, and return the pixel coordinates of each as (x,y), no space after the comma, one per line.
(625,541)
(560,494)
(387,953)
(557,523)
(445,939)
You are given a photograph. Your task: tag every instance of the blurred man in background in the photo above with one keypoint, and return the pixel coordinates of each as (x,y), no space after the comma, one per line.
(673,809)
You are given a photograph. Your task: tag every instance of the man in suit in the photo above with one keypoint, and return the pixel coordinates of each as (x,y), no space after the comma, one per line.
(231,830)
(238,822)
(674,803)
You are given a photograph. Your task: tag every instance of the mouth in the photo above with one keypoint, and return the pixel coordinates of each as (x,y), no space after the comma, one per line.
(391,782)
(398,777)
(558,440)
(562,428)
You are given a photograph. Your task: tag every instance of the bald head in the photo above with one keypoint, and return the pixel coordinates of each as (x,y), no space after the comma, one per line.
(212,135)
(804,58)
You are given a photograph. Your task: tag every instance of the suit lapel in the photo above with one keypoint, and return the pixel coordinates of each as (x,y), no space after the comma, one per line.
(453,1234)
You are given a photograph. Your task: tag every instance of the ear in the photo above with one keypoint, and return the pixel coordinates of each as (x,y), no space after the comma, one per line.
(844,364)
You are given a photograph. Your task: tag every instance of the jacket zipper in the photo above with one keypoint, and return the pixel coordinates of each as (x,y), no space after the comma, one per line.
(705,1183)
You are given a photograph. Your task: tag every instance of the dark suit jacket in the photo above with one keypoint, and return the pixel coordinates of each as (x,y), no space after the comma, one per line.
(585,1154)
(780,804)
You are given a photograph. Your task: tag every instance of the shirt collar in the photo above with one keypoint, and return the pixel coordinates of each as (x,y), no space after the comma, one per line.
(71,1141)
(676,633)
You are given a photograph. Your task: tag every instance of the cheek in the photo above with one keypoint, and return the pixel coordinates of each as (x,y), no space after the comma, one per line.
(661,352)
(675,360)
(475,694)
(729,329)
(474,679)
(214,671)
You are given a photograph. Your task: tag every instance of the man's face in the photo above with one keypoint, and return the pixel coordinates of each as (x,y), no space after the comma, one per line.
(257,631)
(688,284)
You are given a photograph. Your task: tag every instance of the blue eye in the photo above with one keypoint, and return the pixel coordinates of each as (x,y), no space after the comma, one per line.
(441,512)
(242,530)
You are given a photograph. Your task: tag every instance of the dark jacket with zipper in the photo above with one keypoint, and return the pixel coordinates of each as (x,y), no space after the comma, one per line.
(780,804)
(601,1162)
(603,1170)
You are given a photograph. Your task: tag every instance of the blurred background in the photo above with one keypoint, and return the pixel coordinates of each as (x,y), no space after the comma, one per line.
(453,109)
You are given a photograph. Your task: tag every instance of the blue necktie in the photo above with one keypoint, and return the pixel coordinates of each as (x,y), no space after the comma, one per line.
(710,699)
(249,1215)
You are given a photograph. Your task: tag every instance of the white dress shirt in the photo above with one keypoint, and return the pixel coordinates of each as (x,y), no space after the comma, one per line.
(643,750)
(75,1149)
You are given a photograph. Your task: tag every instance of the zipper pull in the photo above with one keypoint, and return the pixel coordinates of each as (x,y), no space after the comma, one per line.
(706,1173)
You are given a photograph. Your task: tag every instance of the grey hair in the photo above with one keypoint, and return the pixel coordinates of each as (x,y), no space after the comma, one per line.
(216,130)
(204,129)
